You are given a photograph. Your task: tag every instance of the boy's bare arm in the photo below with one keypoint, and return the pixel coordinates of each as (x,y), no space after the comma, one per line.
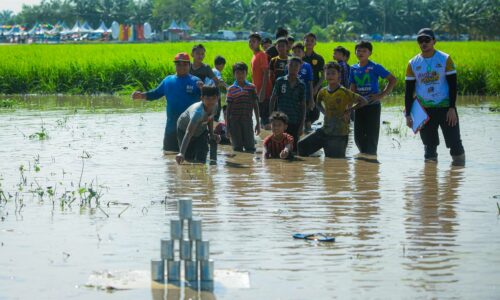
(320,82)
(272,103)
(359,101)
(185,142)
(257,115)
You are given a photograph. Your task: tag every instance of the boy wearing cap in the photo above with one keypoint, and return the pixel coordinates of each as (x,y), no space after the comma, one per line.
(195,127)
(289,95)
(431,77)
(364,81)
(260,76)
(317,63)
(180,90)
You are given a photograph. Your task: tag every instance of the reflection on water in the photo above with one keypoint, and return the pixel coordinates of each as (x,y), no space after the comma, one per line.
(404,228)
(431,222)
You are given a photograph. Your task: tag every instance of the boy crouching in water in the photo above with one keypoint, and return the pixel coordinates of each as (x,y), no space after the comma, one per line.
(279,144)
(335,102)
(195,127)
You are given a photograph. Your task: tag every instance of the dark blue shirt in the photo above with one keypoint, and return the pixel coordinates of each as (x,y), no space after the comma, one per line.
(366,78)
(290,99)
(181,92)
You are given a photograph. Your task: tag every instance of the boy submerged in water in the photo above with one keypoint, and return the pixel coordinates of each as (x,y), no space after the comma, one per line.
(195,127)
(279,144)
(335,102)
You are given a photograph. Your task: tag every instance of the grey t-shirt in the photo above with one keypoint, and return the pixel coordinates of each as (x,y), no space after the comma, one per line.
(202,72)
(198,116)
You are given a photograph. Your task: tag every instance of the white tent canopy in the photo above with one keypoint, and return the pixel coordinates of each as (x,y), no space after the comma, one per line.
(102,28)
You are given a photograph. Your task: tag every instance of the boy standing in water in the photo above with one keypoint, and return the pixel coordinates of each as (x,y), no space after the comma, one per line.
(364,81)
(279,144)
(260,76)
(317,63)
(195,127)
(181,90)
(241,102)
(335,102)
(289,95)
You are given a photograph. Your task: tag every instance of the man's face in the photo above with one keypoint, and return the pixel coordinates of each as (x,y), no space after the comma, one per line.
(309,42)
(282,48)
(182,67)
(210,102)
(298,52)
(426,43)
(363,53)
(198,55)
(253,43)
(293,67)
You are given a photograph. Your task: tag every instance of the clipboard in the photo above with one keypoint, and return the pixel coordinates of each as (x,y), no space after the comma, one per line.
(418,115)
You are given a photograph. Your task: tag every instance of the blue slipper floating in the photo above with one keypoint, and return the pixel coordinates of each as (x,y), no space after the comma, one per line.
(320,237)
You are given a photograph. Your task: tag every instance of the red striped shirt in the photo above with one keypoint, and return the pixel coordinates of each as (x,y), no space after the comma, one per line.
(274,147)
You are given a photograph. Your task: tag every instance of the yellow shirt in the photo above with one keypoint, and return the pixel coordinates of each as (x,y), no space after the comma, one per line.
(335,104)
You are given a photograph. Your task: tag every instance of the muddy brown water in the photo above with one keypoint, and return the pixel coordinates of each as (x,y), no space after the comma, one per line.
(405,229)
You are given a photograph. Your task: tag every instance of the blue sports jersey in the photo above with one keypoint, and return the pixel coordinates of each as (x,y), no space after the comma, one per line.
(366,78)
(181,92)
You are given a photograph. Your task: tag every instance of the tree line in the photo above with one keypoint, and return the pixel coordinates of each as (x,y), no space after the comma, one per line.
(330,19)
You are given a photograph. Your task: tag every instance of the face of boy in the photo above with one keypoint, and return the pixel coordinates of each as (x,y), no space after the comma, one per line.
(332,76)
(198,55)
(309,42)
(363,54)
(266,45)
(293,67)
(240,75)
(253,43)
(282,48)
(210,102)
(298,52)
(181,68)
(278,127)
(337,55)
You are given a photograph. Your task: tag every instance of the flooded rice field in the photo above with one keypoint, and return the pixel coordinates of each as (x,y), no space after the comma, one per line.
(86,191)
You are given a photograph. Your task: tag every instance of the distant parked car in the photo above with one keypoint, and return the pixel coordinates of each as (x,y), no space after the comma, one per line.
(365,37)
(377,37)
(388,38)
(227,35)
(242,35)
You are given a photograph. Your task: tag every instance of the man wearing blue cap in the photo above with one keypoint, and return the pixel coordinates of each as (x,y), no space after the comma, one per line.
(431,77)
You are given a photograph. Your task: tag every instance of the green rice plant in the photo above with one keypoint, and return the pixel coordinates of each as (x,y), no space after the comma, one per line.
(119,68)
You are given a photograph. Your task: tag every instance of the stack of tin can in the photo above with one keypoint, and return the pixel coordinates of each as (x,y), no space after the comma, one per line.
(185,250)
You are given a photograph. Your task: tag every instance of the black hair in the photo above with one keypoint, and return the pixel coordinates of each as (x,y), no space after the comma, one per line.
(281,32)
(342,50)
(255,35)
(332,65)
(279,116)
(290,39)
(196,47)
(219,60)
(298,45)
(365,45)
(267,40)
(209,91)
(310,34)
(347,54)
(282,40)
(240,66)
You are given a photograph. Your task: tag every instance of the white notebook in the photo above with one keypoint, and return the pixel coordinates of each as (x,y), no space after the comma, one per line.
(418,115)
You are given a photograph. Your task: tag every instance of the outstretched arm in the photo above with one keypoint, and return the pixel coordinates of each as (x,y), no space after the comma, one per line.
(185,141)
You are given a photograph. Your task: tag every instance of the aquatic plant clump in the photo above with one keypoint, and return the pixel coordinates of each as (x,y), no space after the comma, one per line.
(112,68)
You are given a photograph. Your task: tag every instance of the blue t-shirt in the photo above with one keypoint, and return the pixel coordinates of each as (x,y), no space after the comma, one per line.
(181,92)
(366,78)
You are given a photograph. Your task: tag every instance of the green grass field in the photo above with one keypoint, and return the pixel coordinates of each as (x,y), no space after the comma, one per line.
(121,68)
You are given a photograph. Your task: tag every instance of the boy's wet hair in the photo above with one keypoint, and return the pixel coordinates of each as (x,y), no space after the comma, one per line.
(298,45)
(310,34)
(219,60)
(295,59)
(255,35)
(279,116)
(342,50)
(209,91)
(281,32)
(240,66)
(332,65)
(365,45)
(196,47)
(266,41)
